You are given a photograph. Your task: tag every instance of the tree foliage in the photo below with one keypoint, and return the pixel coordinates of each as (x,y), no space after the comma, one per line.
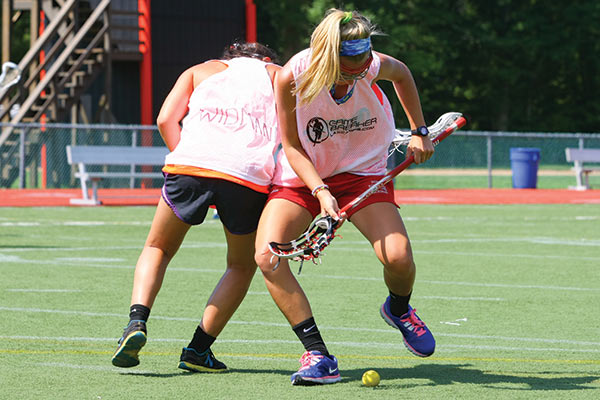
(519,65)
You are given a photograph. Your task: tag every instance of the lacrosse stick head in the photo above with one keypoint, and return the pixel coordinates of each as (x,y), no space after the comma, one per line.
(310,244)
(402,138)
(11,74)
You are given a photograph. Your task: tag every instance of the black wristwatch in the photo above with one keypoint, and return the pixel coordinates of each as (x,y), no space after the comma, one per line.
(420,131)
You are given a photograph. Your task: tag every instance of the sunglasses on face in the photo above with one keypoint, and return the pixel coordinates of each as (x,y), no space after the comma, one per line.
(351,74)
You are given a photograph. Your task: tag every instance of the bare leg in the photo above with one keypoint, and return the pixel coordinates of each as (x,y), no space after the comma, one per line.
(166,235)
(233,286)
(382,225)
(282,221)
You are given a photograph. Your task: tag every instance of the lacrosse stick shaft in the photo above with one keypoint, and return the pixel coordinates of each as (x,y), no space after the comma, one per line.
(460,122)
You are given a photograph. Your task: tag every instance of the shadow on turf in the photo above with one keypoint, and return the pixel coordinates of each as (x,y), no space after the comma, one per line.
(436,375)
(433,375)
(180,373)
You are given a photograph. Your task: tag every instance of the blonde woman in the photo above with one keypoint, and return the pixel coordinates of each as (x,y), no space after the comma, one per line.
(219,121)
(336,127)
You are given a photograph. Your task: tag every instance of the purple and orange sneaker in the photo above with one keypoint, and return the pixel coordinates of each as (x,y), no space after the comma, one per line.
(316,369)
(417,337)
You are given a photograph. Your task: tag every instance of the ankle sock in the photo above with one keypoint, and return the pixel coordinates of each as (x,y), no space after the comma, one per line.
(201,340)
(399,304)
(139,312)
(309,335)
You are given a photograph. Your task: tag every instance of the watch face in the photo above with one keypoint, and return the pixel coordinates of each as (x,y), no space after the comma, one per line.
(422,131)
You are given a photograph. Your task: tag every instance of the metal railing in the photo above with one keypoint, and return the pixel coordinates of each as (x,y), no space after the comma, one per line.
(43,162)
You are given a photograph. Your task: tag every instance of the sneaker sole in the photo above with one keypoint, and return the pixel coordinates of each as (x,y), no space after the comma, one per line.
(393,325)
(198,368)
(126,355)
(302,381)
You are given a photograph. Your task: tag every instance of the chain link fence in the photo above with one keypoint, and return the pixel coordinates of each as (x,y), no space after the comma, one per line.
(35,157)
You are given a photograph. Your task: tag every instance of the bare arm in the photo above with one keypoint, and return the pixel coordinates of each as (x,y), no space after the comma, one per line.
(299,160)
(398,73)
(175,106)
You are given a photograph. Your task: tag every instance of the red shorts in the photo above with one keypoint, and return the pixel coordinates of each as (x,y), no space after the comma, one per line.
(344,187)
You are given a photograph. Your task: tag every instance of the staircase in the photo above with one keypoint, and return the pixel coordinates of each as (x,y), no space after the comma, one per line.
(80,42)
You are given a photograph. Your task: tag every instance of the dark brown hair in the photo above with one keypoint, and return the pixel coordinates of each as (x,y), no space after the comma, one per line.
(252,50)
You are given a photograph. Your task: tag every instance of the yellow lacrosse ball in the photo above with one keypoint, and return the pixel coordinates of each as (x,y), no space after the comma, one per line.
(370,378)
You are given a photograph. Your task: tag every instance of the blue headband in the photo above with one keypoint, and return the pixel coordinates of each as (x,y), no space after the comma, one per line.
(354,47)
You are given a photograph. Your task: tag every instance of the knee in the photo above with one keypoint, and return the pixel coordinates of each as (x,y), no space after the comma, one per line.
(265,260)
(161,245)
(245,270)
(241,263)
(399,263)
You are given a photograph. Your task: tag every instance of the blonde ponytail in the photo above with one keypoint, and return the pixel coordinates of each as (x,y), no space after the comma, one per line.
(325,42)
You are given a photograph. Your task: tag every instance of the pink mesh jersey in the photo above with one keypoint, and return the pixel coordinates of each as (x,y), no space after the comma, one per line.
(231,113)
(350,137)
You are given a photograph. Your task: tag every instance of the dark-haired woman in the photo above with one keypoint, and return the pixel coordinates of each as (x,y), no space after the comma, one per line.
(219,121)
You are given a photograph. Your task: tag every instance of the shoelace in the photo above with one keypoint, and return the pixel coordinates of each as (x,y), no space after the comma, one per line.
(419,326)
(308,359)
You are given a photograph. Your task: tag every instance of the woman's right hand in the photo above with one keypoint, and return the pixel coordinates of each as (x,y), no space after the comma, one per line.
(329,205)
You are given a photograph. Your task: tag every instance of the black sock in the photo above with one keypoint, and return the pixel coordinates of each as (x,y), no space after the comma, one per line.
(399,304)
(309,335)
(201,340)
(139,312)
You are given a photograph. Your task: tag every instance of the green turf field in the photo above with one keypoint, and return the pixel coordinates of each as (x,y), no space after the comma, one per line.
(511,293)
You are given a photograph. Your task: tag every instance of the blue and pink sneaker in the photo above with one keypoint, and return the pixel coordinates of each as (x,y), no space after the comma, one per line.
(316,369)
(417,337)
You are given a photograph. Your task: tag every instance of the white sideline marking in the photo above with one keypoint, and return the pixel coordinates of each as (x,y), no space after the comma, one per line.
(505,255)
(455,323)
(461,298)
(480,347)
(139,247)
(285,325)
(89,259)
(17,259)
(347,249)
(534,240)
(502,285)
(94,368)
(384,345)
(45,290)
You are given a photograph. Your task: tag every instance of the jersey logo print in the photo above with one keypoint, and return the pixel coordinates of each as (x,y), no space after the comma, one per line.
(317,130)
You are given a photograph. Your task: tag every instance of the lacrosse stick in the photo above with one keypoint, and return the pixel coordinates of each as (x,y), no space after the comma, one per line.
(402,137)
(11,74)
(321,232)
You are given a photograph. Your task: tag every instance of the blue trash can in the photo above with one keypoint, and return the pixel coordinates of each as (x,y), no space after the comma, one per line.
(524,164)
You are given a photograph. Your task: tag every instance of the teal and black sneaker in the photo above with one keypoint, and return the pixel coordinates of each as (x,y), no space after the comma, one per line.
(130,344)
(417,337)
(191,360)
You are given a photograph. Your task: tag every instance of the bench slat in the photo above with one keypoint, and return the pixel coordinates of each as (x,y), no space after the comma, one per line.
(116,155)
(119,174)
(582,155)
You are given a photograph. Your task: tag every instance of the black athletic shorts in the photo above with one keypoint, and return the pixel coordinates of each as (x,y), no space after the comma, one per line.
(190,197)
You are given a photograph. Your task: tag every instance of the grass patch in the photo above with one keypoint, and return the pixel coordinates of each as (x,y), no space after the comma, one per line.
(509,291)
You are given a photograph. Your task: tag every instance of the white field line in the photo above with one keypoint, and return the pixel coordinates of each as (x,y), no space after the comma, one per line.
(44,290)
(285,325)
(364,246)
(105,249)
(460,298)
(380,345)
(94,368)
(476,284)
(17,259)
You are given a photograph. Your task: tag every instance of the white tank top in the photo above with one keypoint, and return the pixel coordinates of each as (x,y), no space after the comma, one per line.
(351,137)
(231,125)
